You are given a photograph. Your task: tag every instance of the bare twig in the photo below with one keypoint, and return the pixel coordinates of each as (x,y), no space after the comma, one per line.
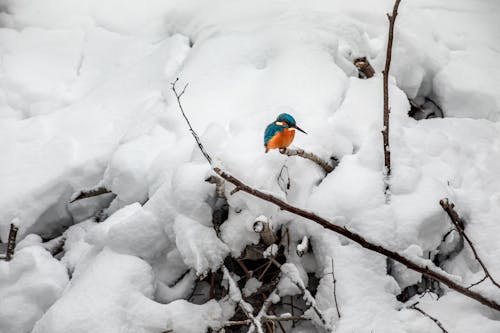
(366,70)
(342,230)
(196,137)
(478,282)
(455,218)
(335,290)
(387,110)
(436,321)
(84,194)
(310,156)
(11,242)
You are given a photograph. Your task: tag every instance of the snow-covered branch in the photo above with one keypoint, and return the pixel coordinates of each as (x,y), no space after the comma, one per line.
(309,156)
(235,296)
(84,194)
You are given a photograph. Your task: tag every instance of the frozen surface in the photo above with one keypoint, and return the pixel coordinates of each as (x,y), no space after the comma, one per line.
(85,101)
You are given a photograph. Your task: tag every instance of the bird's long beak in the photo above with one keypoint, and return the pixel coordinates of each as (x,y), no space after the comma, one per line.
(300,129)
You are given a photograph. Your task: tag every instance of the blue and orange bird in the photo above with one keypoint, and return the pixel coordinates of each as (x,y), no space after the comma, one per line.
(280,133)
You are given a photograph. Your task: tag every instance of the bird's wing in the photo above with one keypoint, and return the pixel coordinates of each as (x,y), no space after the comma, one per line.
(271,130)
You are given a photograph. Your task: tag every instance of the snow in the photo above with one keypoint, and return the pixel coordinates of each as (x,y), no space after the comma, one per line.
(29,284)
(115,291)
(85,101)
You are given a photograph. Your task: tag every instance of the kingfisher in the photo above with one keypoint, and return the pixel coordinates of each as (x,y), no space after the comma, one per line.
(280,133)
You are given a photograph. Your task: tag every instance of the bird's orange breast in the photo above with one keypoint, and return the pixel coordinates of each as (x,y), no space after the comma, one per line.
(281,139)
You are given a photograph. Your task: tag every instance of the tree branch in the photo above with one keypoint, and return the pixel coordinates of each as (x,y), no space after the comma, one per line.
(438,323)
(310,156)
(423,269)
(387,110)
(455,218)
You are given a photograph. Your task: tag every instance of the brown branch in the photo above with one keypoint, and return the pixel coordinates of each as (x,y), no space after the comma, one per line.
(364,67)
(455,218)
(423,269)
(310,156)
(342,230)
(436,321)
(387,110)
(11,242)
(84,194)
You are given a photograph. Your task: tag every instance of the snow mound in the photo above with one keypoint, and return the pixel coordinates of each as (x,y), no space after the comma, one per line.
(114,295)
(29,284)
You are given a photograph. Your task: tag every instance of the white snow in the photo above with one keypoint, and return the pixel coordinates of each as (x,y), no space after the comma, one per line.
(29,284)
(85,101)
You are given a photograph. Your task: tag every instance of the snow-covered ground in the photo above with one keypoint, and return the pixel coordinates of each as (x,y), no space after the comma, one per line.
(85,101)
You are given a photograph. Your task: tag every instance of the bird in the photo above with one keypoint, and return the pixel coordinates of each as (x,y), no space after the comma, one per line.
(280,133)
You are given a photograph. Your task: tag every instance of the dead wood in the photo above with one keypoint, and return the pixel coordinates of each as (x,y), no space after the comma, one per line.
(364,67)
(11,242)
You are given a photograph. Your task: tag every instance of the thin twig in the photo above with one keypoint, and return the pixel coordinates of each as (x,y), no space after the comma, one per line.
(387,110)
(309,156)
(335,290)
(436,321)
(455,218)
(478,282)
(196,137)
(342,230)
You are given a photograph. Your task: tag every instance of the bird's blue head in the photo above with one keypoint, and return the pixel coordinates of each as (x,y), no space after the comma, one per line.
(285,117)
(289,120)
